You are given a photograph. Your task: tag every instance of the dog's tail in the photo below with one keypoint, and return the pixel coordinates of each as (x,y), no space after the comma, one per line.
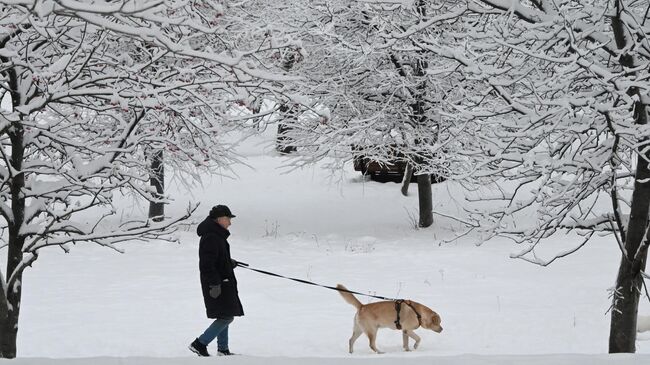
(348,296)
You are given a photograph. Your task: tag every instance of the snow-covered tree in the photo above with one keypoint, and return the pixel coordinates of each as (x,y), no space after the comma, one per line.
(543,104)
(89,90)
(372,93)
(563,128)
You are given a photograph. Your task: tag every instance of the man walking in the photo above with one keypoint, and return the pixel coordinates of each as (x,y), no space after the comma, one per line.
(218,281)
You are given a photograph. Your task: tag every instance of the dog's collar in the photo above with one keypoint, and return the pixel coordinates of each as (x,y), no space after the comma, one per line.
(398,304)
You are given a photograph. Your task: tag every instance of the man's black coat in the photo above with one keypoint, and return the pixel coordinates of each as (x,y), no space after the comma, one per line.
(216,267)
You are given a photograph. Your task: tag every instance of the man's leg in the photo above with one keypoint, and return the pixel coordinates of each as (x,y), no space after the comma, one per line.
(213,330)
(222,337)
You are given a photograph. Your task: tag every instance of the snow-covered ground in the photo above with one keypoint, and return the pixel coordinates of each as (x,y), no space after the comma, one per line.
(620,359)
(145,306)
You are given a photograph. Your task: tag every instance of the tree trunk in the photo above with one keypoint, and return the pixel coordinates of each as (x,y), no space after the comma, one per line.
(10,309)
(157,179)
(7,341)
(625,306)
(622,335)
(8,332)
(425,198)
(9,321)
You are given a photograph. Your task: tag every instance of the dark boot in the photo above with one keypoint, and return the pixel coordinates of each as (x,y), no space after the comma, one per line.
(199,348)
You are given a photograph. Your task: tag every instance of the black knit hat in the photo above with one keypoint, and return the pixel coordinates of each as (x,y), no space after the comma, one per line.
(221,211)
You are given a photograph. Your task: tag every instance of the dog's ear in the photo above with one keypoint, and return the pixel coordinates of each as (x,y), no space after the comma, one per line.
(435,319)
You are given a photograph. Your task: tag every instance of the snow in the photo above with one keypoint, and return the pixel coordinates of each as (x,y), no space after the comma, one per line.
(620,359)
(97,306)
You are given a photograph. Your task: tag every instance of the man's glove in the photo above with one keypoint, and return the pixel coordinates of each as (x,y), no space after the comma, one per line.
(215,291)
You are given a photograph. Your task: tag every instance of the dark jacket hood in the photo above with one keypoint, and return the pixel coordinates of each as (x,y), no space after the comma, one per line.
(210,226)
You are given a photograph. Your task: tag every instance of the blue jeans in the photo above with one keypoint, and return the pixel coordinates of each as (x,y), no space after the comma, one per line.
(218,329)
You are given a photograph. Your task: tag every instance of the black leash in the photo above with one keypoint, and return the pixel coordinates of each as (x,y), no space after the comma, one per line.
(246,266)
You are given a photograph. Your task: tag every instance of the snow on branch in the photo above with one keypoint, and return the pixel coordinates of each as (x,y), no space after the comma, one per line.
(568,155)
(538,102)
(95,90)
(99,232)
(529,255)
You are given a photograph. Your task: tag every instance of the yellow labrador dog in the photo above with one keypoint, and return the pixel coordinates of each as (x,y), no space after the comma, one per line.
(404,315)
